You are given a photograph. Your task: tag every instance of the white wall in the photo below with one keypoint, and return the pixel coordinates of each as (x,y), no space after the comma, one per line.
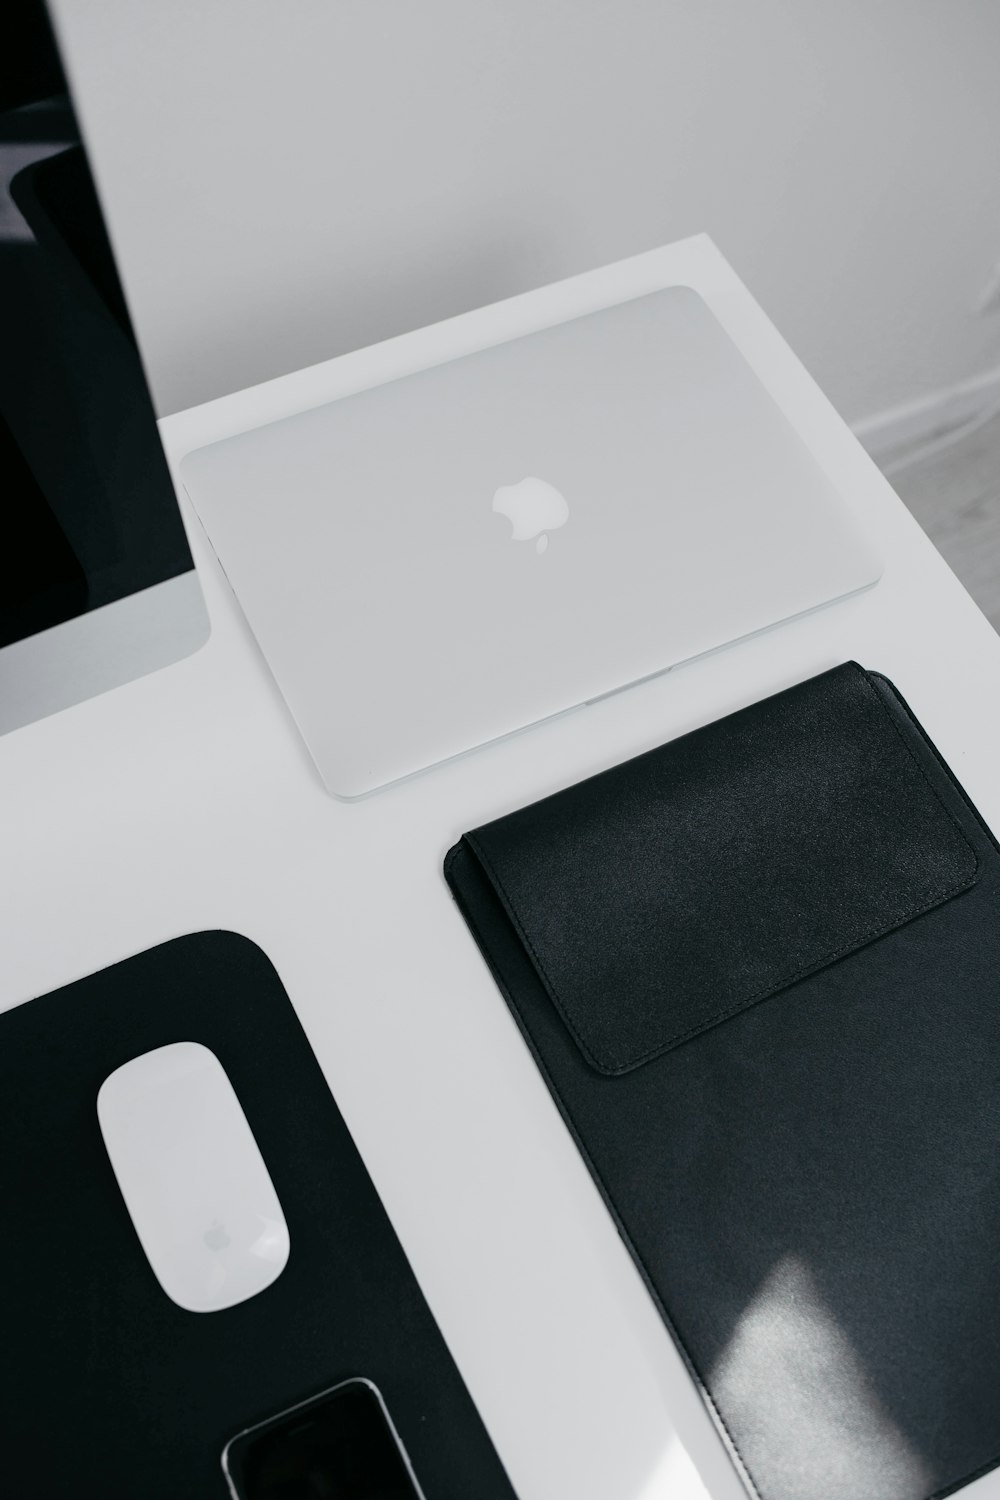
(288,179)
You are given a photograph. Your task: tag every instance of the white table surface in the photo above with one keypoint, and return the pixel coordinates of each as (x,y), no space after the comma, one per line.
(186,801)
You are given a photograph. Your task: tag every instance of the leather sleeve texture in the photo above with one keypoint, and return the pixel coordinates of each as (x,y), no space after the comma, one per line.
(759,968)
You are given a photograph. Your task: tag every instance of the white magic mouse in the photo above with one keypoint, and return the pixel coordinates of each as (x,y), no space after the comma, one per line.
(194,1182)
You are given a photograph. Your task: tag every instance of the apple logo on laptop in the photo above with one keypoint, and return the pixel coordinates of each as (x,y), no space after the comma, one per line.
(534,508)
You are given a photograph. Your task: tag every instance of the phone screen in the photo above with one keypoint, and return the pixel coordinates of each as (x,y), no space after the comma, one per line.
(340,1445)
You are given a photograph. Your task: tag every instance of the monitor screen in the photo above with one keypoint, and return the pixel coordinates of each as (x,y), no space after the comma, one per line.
(97,584)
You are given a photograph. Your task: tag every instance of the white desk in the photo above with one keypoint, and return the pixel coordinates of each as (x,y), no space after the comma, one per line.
(187,801)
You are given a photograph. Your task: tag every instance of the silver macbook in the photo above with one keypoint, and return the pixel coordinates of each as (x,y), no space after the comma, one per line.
(446,557)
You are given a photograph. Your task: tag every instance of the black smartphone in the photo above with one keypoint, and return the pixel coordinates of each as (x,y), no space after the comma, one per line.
(339,1445)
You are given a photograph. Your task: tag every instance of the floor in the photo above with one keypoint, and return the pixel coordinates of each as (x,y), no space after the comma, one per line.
(954,492)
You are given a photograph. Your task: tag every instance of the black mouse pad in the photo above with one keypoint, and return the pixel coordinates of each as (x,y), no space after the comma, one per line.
(109,1388)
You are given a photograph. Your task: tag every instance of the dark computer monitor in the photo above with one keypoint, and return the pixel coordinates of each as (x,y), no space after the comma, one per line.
(97,584)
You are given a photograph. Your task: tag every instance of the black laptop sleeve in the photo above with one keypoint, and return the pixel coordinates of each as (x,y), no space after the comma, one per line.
(759,968)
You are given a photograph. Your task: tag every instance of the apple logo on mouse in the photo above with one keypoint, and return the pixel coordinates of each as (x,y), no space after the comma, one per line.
(216,1237)
(534,508)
